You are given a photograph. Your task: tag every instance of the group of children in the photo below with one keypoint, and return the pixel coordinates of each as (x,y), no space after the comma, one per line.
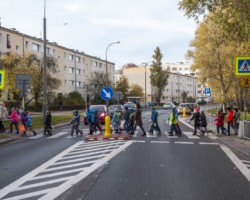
(232,118)
(26,121)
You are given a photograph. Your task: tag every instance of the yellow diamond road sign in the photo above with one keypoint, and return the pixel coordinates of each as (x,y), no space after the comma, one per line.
(244,82)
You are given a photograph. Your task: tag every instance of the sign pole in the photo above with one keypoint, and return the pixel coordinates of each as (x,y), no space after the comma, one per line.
(245,103)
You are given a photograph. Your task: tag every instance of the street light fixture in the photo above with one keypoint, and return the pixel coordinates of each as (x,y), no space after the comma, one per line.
(107,60)
(107,65)
(145,65)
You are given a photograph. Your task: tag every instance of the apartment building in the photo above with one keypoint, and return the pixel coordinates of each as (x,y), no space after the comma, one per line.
(184,68)
(177,83)
(74,67)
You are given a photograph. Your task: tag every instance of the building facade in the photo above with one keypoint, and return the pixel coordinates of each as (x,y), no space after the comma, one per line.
(74,68)
(177,84)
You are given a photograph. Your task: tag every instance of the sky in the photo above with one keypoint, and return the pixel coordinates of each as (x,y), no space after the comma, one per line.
(91,25)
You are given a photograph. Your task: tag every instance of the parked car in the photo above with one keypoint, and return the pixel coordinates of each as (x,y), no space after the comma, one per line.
(189,106)
(112,109)
(130,105)
(168,105)
(102,112)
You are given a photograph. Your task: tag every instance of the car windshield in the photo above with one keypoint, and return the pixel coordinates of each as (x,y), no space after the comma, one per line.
(113,107)
(129,105)
(167,104)
(98,108)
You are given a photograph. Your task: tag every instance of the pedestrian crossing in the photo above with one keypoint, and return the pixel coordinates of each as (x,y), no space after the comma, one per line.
(66,134)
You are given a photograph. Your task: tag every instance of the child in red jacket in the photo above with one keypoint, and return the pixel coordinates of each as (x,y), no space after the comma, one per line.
(230,121)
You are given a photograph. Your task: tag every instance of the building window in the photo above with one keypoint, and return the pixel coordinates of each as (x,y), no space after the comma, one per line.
(78,71)
(17,47)
(71,57)
(0,38)
(174,69)
(65,55)
(78,84)
(8,41)
(71,83)
(26,44)
(54,52)
(100,65)
(71,70)
(35,47)
(94,64)
(78,59)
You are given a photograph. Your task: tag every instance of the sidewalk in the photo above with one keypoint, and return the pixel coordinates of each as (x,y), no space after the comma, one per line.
(15,137)
(240,145)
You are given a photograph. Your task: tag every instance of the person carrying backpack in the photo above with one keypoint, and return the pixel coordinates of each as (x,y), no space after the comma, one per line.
(24,120)
(97,122)
(29,124)
(126,116)
(203,122)
(196,118)
(91,121)
(154,121)
(75,121)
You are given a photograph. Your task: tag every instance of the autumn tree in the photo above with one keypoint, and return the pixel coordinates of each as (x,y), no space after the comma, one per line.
(231,15)
(213,55)
(136,90)
(122,85)
(158,76)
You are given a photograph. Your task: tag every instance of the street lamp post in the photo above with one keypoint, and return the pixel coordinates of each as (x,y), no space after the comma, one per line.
(44,65)
(107,65)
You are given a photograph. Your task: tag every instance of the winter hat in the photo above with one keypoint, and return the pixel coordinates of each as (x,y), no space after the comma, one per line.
(197,109)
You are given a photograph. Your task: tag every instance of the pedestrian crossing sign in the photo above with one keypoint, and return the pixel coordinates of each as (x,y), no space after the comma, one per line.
(2,76)
(242,66)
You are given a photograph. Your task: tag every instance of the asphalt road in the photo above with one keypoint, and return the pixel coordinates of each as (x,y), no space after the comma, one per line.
(149,167)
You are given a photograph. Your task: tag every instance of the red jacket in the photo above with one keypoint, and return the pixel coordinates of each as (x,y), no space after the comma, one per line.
(230,117)
(219,120)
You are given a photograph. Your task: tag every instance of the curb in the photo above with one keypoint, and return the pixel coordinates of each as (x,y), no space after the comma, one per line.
(8,140)
(122,136)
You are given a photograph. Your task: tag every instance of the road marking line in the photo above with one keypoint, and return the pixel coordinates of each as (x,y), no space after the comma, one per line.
(190,135)
(52,194)
(183,142)
(68,166)
(57,135)
(244,170)
(36,137)
(41,184)
(208,143)
(163,142)
(58,174)
(135,133)
(139,141)
(212,136)
(245,161)
(81,155)
(168,136)
(77,160)
(149,135)
(29,195)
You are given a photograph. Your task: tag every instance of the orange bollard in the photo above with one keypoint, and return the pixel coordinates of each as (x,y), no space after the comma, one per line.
(107,126)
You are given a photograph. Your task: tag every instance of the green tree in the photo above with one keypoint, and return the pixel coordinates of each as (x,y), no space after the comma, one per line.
(123,86)
(158,77)
(136,90)
(74,98)
(96,82)
(184,96)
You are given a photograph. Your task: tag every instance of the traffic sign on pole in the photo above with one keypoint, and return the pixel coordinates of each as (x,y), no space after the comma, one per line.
(106,93)
(207,92)
(242,66)
(118,96)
